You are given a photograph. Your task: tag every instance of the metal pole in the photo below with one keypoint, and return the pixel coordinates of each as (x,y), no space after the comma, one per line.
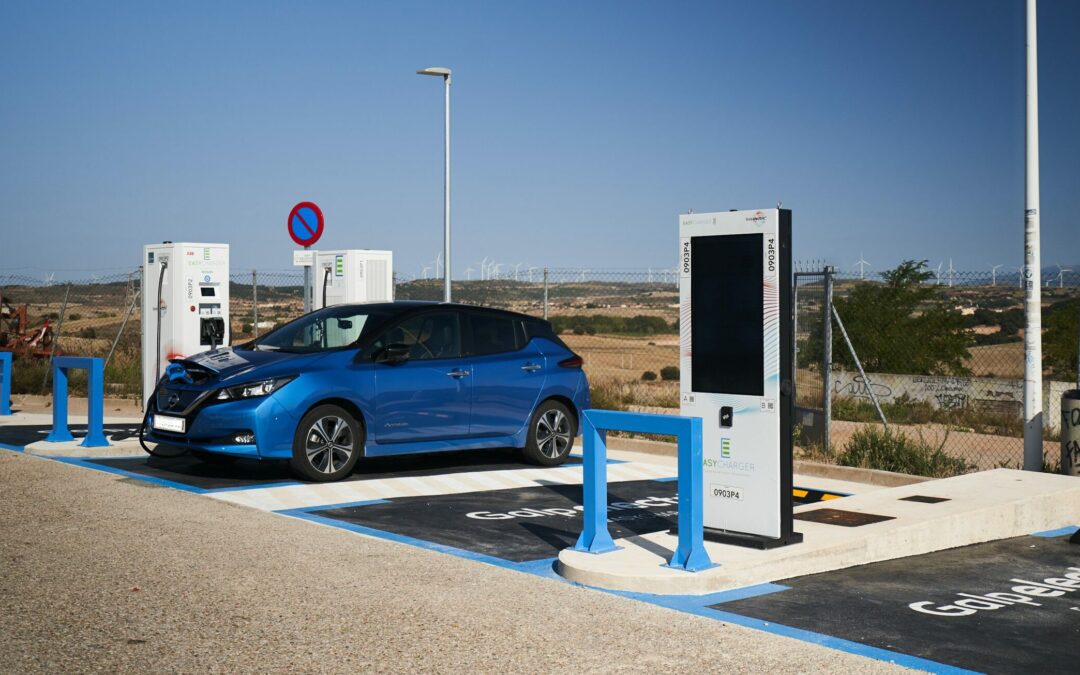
(866,380)
(255,302)
(1033,390)
(545,294)
(826,363)
(446,199)
(56,339)
(116,340)
(307,286)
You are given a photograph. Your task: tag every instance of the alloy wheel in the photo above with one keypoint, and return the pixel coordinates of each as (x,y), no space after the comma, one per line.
(553,433)
(329,444)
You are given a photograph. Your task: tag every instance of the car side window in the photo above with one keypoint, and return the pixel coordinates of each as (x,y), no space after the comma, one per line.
(434,335)
(493,334)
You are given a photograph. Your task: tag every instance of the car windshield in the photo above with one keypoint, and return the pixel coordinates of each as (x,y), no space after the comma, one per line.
(330,328)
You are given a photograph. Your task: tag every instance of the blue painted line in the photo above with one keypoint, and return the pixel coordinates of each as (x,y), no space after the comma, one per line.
(1060,532)
(671,479)
(13,448)
(86,463)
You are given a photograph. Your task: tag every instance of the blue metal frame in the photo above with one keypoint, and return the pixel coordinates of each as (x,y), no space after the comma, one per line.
(95,405)
(5,383)
(595,538)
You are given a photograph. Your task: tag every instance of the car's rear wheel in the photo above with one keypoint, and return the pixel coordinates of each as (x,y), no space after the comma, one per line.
(212,457)
(551,434)
(327,444)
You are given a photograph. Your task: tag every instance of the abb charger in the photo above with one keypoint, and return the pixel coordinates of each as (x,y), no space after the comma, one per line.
(353,275)
(185,304)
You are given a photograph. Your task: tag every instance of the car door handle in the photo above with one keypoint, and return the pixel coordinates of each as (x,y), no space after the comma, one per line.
(530,367)
(458,373)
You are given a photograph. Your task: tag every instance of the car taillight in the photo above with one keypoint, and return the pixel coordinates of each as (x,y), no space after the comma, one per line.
(574,361)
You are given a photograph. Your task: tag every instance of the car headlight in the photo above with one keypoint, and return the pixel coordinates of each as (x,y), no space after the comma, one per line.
(253,389)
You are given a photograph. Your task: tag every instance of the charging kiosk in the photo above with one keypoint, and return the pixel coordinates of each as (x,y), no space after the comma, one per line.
(185,304)
(735,368)
(353,275)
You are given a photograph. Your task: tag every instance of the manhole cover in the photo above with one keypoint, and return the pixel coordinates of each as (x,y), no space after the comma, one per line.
(838,517)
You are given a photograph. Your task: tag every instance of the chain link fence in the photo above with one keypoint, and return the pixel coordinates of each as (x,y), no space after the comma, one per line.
(943,359)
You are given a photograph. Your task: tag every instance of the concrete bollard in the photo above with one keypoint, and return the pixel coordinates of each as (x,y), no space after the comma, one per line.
(1070,432)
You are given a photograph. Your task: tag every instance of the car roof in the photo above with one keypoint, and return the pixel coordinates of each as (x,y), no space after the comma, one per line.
(417,304)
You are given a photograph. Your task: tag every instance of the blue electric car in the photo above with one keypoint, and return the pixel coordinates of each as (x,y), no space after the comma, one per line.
(369,380)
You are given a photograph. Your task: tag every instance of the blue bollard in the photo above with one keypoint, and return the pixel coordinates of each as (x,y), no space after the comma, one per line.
(95,423)
(5,383)
(690,555)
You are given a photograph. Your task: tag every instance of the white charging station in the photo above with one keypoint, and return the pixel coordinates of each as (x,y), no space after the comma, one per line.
(185,293)
(352,275)
(735,368)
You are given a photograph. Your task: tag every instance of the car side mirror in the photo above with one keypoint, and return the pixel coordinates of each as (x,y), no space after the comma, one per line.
(393,353)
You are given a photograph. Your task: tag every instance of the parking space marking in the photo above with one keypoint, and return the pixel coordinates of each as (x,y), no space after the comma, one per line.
(312,495)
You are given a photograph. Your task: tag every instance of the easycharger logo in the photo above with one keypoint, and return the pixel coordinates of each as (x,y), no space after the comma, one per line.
(528,512)
(757,218)
(1024,593)
(711,464)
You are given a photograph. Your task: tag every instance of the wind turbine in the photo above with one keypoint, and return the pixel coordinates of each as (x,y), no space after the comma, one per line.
(952,273)
(937,273)
(438,264)
(495,269)
(1020,273)
(862,265)
(1061,275)
(531,270)
(582,277)
(517,268)
(424,271)
(993,274)
(468,273)
(50,279)
(483,268)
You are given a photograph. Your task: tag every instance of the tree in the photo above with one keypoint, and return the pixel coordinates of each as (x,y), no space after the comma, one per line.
(1059,339)
(904,325)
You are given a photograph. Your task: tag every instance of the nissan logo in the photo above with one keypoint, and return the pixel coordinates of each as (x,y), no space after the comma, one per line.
(173,400)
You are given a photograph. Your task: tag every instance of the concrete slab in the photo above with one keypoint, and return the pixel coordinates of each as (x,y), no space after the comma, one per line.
(26,430)
(980,507)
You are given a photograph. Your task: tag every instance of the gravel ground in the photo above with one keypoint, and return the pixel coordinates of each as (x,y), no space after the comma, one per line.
(101,573)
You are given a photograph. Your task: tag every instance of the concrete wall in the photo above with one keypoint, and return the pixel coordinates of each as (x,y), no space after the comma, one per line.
(1000,396)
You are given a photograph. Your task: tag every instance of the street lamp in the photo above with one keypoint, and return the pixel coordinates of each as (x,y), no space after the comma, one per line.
(445,74)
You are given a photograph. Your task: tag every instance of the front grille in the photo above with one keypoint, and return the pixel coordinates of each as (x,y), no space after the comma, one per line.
(177,401)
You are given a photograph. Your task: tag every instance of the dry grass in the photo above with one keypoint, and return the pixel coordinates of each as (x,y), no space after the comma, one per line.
(624,358)
(1004,360)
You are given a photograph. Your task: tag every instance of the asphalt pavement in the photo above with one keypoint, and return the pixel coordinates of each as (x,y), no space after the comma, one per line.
(104,573)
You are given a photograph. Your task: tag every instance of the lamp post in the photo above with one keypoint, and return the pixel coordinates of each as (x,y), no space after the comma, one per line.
(445,74)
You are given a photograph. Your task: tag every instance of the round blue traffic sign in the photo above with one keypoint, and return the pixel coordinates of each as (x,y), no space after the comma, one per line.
(305,223)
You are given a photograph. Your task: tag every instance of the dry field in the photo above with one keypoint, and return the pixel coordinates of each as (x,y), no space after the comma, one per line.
(624,358)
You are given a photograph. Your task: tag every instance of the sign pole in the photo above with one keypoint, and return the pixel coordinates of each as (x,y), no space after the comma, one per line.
(307,286)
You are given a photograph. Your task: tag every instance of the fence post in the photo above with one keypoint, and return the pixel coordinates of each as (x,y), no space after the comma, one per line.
(826,362)
(866,380)
(56,339)
(545,294)
(116,340)
(255,302)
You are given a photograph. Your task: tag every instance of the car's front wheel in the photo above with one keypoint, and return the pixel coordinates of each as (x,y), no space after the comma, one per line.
(327,444)
(551,434)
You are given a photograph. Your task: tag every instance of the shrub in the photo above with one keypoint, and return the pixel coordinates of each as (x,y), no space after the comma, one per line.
(873,448)
(648,376)
(669,373)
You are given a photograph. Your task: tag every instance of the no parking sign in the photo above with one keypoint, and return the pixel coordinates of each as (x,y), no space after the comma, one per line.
(305,223)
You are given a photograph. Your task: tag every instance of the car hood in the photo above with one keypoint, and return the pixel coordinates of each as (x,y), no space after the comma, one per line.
(224,364)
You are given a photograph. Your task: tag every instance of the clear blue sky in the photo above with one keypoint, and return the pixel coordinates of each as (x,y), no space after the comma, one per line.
(580,130)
